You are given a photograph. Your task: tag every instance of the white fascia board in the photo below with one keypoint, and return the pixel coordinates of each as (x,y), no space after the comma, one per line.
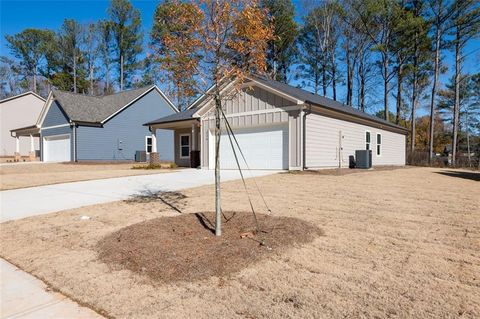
(45,109)
(272,90)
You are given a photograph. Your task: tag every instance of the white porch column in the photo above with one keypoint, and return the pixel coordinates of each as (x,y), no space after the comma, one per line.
(32,143)
(154,141)
(17,144)
(194,137)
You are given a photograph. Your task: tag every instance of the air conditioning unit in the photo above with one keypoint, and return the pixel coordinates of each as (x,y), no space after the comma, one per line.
(363,158)
(140,156)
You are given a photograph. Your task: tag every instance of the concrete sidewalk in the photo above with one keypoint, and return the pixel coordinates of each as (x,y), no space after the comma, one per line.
(24,296)
(26,202)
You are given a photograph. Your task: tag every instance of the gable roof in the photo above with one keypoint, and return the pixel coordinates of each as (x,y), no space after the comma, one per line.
(293,93)
(317,100)
(21,95)
(98,109)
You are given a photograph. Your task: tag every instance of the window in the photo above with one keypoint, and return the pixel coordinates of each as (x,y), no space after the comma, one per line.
(184,145)
(367,140)
(148,144)
(379,144)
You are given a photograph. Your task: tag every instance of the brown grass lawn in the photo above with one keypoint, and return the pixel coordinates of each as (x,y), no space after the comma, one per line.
(36,174)
(400,243)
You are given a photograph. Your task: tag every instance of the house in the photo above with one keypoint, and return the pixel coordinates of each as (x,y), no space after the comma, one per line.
(20,111)
(76,127)
(282,127)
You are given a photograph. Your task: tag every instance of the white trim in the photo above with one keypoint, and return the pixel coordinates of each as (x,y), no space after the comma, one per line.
(74,142)
(54,126)
(173,107)
(377,145)
(21,95)
(146,143)
(180,145)
(45,109)
(266,111)
(365,139)
(207,104)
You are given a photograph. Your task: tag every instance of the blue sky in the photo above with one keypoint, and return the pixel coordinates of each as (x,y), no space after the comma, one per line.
(17,15)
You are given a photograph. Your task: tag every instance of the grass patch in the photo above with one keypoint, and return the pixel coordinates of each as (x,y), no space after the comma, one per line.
(155,166)
(185,248)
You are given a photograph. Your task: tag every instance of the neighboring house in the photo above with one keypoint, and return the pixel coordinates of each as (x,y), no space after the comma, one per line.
(19,111)
(282,127)
(77,127)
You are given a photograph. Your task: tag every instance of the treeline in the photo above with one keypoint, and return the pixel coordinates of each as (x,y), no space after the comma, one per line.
(364,53)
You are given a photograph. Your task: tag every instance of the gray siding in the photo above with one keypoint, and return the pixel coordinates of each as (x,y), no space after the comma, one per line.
(124,134)
(57,131)
(251,108)
(55,116)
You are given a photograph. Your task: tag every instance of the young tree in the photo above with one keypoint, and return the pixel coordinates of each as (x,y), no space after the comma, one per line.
(173,21)
(105,49)
(128,37)
(281,49)
(466,25)
(29,46)
(232,38)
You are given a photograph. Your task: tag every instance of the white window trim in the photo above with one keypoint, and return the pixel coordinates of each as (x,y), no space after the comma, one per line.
(146,144)
(180,145)
(369,143)
(376,144)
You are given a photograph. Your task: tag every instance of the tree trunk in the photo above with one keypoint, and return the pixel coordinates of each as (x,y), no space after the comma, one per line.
(468,139)
(121,72)
(74,72)
(385,85)
(362,85)
(399,93)
(349,76)
(218,208)
(35,80)
(414,98)
(456,106)
(434,92)
(324,77)
(91,79)
(334,71)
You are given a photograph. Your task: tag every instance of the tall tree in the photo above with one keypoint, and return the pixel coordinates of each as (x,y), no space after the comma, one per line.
(105,49)
(71,37)
(379,20)
(90,44)
(128,36)
(466,25)
(173,21)
(281,49)
(11,80)
(232,42)
(29,46)
(439,13)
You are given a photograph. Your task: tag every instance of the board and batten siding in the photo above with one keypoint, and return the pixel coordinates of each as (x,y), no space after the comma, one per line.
(63,130)
(251,107)
(124,134)
(322,142)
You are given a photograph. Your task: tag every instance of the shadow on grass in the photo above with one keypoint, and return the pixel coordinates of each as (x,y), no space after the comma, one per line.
(174,200)
(474,176)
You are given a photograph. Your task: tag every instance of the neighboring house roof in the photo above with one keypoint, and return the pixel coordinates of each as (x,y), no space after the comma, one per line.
(98,109)
(20,95)
(176,117)
(298,94)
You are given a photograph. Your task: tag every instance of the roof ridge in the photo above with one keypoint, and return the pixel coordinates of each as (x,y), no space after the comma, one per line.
(102,96)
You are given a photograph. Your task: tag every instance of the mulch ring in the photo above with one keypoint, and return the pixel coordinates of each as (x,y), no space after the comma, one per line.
(185,248)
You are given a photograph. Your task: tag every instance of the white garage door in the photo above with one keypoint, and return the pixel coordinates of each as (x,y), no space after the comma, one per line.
(56,148)
(263,147)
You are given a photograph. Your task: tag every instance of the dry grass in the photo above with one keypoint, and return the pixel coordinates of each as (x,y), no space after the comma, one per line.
(36,174)
(401,243)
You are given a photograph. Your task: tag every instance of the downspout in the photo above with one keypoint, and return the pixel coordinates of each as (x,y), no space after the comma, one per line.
(305,111)
(74,142)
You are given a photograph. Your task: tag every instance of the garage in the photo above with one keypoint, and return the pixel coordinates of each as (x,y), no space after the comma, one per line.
(263,147)
(56,148)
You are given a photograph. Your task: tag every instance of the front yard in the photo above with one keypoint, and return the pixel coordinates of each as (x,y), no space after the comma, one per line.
(395,243)
(22,175)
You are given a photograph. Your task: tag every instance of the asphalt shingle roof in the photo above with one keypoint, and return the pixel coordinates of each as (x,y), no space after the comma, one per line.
(95,109)
(176,117)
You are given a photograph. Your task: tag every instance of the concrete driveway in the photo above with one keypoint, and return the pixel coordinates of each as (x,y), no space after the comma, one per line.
(24,296)
(26,202)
